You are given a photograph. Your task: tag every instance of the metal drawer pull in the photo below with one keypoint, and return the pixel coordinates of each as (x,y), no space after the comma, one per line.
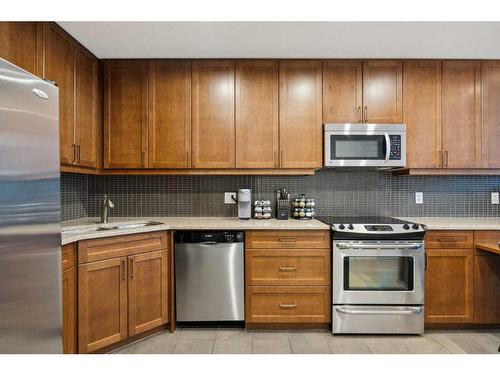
(131,268)
(385,247)
(123,269)
(288,305)
(407,311)
(448,240)
(294,268)
(289,239)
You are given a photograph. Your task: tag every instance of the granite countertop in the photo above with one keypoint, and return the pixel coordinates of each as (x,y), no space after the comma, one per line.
(457,223)
(180,223)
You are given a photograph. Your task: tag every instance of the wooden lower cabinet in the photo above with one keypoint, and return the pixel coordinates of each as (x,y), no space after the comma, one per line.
(102,304)
(69,305)
(297,304)
(147,291)
(125,295)
(288,277)
(486,280)
(449,286)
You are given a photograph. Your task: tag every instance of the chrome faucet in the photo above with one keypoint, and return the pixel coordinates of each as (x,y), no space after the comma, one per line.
(105,206)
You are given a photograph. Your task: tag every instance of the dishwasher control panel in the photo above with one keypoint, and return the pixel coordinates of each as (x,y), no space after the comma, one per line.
(218,237)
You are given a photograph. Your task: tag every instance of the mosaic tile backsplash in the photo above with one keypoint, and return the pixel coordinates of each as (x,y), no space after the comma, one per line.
(336,193)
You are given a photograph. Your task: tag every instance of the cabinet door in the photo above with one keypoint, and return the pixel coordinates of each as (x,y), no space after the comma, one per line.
(69,310)
(422,113)
(125,114)
(382,91)
(300,114)
(213,139)
(257,114)
(58,66)
(461,114)
(342,91)
(148,291)
(102,304)
(486,289)
(169,114)
(87,119)
(491,114)
(18,44)
(449,286)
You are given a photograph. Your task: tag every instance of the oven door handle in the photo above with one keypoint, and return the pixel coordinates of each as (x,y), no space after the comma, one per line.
(387,146)
(359,311)
(412,246)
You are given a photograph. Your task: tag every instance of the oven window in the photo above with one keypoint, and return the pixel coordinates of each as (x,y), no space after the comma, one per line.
(353,147)
(378,273)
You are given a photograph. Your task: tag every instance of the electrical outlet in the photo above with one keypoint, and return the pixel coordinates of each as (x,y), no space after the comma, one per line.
(228,198)
(494,198)
(419,197)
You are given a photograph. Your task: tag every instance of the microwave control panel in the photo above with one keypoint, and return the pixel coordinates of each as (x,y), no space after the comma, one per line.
(395,147)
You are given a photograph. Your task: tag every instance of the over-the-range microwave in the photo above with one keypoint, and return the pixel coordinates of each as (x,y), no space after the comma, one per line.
(381,146)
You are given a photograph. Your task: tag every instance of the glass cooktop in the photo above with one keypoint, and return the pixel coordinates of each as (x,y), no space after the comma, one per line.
(330,220)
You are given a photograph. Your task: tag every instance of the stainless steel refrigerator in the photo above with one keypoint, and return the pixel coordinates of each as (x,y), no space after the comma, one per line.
(30,229)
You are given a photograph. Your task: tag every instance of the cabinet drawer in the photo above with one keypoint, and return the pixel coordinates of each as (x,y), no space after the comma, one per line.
(68,256)
(302,239)
(438,239)
(119,246)
(287,304)
(288,267)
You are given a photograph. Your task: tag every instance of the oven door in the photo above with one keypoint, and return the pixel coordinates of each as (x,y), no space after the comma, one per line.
(378,272)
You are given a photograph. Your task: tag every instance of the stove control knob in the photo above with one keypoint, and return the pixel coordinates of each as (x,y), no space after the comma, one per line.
(341,227)
(350,226)
(415,226)
(406,226)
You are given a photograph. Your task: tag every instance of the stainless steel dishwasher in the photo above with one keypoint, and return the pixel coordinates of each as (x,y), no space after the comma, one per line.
(209,276)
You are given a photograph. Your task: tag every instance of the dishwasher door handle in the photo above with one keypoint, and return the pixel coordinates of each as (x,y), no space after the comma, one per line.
(209,243)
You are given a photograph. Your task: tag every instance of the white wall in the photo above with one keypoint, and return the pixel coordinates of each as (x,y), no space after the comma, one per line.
(474,40)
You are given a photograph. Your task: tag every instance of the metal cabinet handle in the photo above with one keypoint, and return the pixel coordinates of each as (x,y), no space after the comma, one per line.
(78,154)
(288,239)
(440,159)
(131,268)
(366,113)
(446,158)
(123,269)
(284,269)
(425,262)
(73,151)
(360,116)
(288,305)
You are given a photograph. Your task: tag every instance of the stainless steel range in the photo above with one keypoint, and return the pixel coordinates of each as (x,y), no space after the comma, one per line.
(378,275)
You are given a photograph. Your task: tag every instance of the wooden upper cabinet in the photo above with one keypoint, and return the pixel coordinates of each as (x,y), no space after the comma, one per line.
(58,66)
(257,114)
(125,114)
(300,114)
(461,114)
(148,291)
(169,114)
(382,91)
(213,137)
(422,113)
(490,114)
(102,304)
(342,91)
(87,116)
(18,44)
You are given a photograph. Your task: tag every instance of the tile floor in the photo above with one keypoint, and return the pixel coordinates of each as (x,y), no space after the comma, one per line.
(241,341)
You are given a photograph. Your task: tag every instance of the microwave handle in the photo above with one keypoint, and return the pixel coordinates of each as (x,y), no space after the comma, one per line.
(387,146)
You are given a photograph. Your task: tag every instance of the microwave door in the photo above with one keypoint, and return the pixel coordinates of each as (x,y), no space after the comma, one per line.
(359,150)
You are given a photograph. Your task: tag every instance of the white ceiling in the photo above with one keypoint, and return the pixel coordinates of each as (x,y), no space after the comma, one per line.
(289,39)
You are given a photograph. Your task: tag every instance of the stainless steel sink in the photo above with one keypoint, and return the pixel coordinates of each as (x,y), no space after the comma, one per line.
(111,227)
